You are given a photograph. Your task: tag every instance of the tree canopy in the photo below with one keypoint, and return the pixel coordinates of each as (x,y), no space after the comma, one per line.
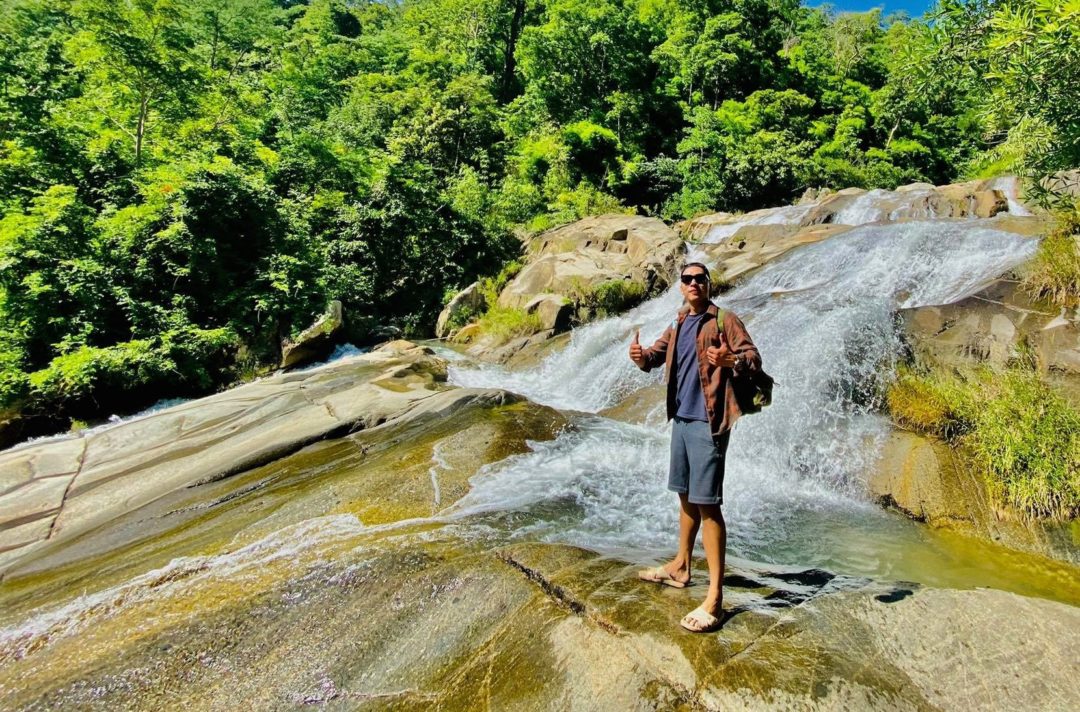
(184,184)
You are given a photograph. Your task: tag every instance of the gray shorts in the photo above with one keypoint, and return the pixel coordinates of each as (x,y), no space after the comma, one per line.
(697,462)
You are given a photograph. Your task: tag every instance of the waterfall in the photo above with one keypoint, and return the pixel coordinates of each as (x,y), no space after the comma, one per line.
(1010,186)
(866,208)
(823,319)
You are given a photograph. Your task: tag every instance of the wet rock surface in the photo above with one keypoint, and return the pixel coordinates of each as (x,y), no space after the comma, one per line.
(923,478)
(339,577)
(424,619)
(753,246)
(52,491)
(522,351)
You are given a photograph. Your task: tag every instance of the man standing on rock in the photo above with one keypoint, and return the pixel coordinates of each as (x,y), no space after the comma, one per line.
(703,350)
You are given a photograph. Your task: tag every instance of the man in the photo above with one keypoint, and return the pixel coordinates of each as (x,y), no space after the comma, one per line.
(701,357)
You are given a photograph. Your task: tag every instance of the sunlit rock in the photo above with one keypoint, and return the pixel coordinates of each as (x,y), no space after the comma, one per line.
(992,327)
(422,619)
(584,254)
(317,341)
(466,303)
(85,481)
(923,478)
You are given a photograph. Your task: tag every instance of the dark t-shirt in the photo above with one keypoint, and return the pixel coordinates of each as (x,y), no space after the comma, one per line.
(689,397)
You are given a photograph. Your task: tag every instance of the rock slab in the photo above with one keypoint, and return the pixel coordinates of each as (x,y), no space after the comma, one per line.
(922,477)
(54,490)
(993,327)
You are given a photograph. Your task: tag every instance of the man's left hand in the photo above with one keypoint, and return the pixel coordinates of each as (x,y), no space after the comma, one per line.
(720,356)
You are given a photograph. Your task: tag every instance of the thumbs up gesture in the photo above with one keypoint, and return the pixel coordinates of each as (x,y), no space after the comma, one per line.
(637,355)
(722,355)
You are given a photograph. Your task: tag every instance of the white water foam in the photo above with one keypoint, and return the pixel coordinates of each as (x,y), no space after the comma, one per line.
(866,208)
(341,351)
(1010,186)
(823,318)
(786,215)
(112,422)
(438,463)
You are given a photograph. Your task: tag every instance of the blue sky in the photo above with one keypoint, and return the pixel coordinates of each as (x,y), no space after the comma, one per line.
(913,7)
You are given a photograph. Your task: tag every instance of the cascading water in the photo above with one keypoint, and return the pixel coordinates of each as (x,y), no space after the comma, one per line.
(288,557)
(866,208)
(823,319)
(1010,186)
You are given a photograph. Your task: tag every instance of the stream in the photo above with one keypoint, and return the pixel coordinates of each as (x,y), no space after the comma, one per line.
(256,561)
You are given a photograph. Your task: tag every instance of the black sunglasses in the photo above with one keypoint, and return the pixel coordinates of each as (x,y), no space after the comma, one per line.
(700,278)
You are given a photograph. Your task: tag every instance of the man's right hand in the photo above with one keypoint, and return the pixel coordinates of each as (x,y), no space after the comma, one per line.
(637,354)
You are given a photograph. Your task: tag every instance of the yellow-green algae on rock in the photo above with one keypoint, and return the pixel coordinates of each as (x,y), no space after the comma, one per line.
(376,476)
(425,619)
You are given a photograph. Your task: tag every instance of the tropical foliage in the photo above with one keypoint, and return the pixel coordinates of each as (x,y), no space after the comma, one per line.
(197,177)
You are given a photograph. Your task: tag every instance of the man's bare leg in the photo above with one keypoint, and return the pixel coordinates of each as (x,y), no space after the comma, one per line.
(714,537)
(689,521)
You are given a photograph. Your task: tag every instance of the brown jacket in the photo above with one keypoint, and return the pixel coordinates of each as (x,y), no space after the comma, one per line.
(720,403)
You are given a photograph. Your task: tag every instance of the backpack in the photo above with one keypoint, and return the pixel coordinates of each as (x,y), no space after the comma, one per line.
(753,391)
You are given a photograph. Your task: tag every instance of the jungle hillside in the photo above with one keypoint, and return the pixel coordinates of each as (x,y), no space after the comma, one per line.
(186,183)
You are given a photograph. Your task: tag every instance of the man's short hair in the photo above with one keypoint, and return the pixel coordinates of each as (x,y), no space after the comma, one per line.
(688,265)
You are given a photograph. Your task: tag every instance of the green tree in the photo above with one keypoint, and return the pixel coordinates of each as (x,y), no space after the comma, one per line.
(52,282)
(139,74)
(1019,63)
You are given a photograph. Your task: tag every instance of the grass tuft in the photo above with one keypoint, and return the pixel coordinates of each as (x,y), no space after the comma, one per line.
(607,298)
(1054,273)
(1020,435)
(1026,439)
(928,403)
(501,324)
(719,284)
(615,296)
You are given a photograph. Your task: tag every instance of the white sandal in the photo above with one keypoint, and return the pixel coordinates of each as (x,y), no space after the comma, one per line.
(700,621)
(660,575)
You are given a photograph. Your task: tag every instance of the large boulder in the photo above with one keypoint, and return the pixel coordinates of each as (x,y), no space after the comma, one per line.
(573,273)
(553,311)
(461,309)
(577,257)
(993,327)
(317,341)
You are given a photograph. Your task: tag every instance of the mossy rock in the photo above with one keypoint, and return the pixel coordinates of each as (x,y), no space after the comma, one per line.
(423,619)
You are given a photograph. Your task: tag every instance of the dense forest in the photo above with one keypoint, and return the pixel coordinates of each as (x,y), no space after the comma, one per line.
(184,183)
